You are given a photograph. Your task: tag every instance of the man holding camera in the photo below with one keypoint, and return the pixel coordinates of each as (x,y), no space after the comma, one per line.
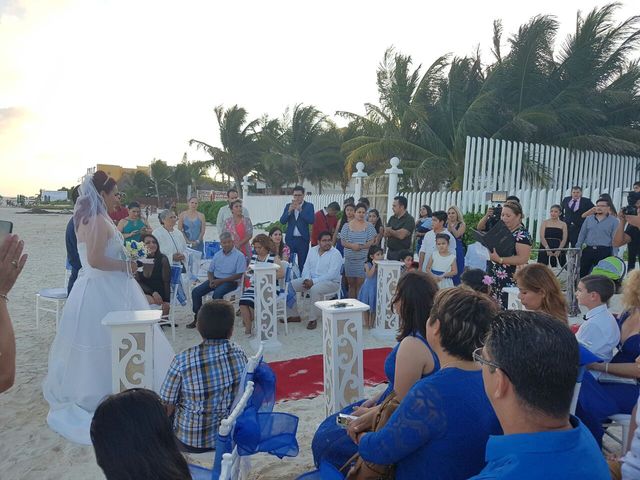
(572,209)
(628,231)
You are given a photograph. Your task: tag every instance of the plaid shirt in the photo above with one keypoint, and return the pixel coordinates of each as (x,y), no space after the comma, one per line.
(202,382)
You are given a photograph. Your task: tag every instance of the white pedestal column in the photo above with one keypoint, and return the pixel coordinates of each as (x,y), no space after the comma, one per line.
(386,325)
(266,293)
(359,175)
(342,352)
(513,301)
(394,172)
(132,348)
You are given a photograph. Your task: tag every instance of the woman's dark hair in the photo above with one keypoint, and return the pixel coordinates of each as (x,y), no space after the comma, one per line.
(555,205)
(343,220)
(158,255)
(373,249)
(465,316)
(133,205)
(273,230)
(378,222)
(362,205)
(103,182)
(133,438)
(415,292)
(473,278)
(428,209)
(233,204)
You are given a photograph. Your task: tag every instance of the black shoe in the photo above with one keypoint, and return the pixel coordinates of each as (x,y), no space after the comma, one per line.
(192,324)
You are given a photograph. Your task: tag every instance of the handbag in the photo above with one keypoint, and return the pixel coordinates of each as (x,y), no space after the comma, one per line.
(363,470)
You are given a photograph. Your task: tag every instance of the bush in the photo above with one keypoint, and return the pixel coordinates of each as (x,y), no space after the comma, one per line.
(471,220)
(211,209)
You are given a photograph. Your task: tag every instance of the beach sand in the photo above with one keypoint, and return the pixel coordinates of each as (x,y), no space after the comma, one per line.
(29,449)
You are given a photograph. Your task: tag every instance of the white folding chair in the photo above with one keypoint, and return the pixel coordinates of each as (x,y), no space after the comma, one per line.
(176,279)
(622,420)
(57,296)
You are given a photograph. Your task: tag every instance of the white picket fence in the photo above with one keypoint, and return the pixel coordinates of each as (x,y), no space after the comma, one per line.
(492,165)
(269,208)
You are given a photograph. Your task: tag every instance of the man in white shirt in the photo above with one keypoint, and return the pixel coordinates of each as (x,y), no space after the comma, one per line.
(438,219)
(225,210)
(321,274)
(599,333)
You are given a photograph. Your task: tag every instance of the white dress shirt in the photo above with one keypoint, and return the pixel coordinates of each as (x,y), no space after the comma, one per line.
(429,245)
(323,268)
(599,333)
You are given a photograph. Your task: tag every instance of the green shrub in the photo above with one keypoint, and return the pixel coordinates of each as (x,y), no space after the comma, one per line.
(211,209)
(471,220)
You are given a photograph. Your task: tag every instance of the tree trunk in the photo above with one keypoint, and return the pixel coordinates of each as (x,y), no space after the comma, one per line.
(155,183)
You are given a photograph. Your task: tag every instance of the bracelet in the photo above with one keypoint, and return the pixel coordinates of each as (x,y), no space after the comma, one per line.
(501,260)
(606,368)
(4,297)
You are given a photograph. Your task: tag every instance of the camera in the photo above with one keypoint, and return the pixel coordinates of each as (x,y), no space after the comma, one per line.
(632,199)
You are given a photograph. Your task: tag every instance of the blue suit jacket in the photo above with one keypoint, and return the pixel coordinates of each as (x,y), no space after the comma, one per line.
(305,219)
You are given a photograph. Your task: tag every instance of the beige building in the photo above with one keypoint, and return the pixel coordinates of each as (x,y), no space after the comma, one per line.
(117,172)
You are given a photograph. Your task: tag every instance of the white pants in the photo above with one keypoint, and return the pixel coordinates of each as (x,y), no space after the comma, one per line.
(317,293)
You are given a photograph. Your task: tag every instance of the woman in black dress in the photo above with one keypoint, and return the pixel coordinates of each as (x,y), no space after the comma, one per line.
(553,234)
(155,278)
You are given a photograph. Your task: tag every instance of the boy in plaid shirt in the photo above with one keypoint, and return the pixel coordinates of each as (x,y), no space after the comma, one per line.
(202,381)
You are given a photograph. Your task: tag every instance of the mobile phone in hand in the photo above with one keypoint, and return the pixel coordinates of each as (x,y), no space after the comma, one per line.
(6,227)
(343,419)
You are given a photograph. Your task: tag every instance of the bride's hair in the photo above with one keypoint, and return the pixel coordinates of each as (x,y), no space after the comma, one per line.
(133,438)
(90,202)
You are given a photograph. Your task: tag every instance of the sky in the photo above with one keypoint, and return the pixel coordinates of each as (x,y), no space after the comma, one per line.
(123,82)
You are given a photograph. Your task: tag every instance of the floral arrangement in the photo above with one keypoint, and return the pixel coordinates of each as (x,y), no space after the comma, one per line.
(135,250)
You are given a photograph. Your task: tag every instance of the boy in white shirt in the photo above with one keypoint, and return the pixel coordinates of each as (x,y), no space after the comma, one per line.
(599,333)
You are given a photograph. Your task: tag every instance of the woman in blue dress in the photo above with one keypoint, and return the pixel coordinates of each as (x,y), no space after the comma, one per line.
(423,225)
(441,427)
(369,291)
(410,360)
(457,227)
(601,397)
(193,225)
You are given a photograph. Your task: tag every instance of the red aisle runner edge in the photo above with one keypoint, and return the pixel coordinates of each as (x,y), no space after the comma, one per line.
(303,377)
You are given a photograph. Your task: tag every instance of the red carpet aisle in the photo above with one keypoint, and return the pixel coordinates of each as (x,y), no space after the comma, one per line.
(302,377)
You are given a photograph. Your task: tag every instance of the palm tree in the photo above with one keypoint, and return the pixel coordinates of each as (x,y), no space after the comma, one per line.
(240,150)
(160,172)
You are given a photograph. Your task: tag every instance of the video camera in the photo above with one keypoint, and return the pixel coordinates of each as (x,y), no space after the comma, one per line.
(495,199)
(632,199)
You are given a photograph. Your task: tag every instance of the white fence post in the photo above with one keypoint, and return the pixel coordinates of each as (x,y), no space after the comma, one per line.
(359,175)
(394,172)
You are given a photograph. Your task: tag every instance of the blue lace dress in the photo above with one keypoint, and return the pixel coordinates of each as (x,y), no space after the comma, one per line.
(599,400)
(439,430)
(331,442)
(368,290)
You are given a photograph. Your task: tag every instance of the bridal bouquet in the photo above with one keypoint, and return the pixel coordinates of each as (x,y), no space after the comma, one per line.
(136,250)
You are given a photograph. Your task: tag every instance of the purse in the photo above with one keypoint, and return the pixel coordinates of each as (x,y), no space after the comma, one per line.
(360,468)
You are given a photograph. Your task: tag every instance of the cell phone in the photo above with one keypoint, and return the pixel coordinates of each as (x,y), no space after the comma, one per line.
(339,305)
(6,227)
(343,419)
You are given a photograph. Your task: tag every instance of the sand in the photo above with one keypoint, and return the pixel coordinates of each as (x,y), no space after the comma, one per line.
(29,449)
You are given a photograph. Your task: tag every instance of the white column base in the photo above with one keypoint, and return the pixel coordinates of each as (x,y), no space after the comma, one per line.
(387,321)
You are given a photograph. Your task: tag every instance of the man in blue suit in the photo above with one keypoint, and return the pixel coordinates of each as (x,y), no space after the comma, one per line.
(299,216)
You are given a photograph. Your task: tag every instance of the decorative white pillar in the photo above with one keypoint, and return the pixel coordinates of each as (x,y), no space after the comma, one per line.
(245,186)
(132,348)
(393,173)
(359,175)
(513,301)
(342,352)
(386,326)
(266,294)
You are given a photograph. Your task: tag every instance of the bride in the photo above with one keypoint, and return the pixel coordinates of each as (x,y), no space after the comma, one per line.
(79,374)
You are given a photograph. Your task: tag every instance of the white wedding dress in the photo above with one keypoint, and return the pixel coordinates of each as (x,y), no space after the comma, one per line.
(79,374)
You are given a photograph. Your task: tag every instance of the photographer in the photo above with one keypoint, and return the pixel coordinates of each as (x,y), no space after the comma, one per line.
(628,231)
(493,214)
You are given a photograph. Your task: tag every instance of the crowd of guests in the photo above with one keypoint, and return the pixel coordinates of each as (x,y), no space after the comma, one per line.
(474,391)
